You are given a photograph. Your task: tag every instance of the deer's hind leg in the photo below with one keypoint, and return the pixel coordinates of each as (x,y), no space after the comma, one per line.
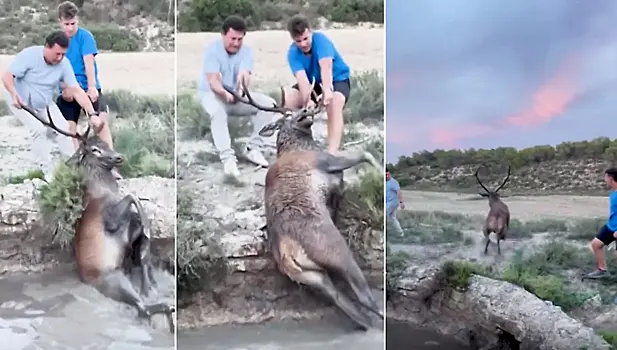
(116,285)
(344,160)
(487,236)
(120,215)
(320,281)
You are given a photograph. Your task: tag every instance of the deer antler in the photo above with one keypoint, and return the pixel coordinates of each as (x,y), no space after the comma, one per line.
(504,181)
(249,100)
(478,178)
(50,123)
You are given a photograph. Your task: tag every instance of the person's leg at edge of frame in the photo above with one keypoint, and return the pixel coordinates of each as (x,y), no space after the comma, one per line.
(335,121)
(220,132)
(391,216)
(602,239)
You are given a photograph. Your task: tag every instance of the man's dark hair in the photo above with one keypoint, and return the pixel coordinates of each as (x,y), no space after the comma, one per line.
(67,10)
(233,22)
(612,172)
(297,25)
(57,38)
(388,169)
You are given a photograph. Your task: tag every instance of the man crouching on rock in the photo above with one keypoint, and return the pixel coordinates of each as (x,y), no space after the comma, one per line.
(227,61)
(31,79)
(607,233)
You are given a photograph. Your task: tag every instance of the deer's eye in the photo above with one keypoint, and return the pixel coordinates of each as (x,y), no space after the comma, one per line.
(96,151)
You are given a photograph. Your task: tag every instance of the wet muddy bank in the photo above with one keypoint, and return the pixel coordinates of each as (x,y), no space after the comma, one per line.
(54,310)
(405,336)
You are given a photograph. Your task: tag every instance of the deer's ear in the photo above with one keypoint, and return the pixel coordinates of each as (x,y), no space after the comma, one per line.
(269,129)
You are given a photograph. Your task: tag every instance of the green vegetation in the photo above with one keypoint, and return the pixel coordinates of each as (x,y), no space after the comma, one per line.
(115,26)
(30,175)
(208,15)
(569,166)
(200,262)
(436,227)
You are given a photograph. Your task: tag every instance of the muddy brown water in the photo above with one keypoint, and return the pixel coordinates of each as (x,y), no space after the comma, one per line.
(55,311)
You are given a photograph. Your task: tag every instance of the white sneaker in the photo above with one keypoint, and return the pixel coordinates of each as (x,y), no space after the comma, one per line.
(231,169)
(255,156)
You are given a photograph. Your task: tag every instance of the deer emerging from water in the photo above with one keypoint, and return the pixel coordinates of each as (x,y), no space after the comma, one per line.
(110,237)
(305,243)
(498,218)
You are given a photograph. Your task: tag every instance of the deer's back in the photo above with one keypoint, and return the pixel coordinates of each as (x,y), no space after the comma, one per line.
(297,216)
(95,252)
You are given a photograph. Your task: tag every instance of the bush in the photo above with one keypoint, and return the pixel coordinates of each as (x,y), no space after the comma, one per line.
(113,38)
(61,203)
(366,100)
(207,15)
(145,134)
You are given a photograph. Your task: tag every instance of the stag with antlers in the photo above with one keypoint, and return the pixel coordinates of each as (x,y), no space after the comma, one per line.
(498,218)
(304,241)
(109,231)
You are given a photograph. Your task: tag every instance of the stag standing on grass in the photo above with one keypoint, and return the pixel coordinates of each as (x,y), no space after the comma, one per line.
(110,236)
(498,218)
(304,241)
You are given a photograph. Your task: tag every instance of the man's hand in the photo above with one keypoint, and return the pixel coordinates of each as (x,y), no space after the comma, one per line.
(229,98)
(67,96)
(93,93)
(401,205)
(242,79)
(96,121)
(17,102)
(327,97)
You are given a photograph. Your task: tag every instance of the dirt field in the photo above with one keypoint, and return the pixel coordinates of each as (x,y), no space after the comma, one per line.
(270,50)
(522,208)
(144,73)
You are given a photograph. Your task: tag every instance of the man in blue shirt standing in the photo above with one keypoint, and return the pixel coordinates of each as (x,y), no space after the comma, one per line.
(81,53)
(312,57)
(607,233)
(394,200)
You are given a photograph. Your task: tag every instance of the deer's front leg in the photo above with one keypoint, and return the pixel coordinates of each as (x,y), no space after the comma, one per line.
(344,160)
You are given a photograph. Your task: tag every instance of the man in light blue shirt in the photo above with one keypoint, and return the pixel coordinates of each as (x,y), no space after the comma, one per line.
(394,200)
(607,233)
(31,79)
(228,62)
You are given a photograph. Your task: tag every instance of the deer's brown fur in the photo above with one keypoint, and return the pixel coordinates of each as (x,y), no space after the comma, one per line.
(305,243)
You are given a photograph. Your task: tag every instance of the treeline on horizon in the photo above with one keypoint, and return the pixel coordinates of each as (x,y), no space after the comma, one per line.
(601,148)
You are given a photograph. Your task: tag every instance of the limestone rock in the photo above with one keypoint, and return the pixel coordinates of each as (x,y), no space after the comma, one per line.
(487,307)
(26,246)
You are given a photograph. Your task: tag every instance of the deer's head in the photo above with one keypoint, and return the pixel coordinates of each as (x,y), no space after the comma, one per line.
(93,155)
(294,127)
(492,196)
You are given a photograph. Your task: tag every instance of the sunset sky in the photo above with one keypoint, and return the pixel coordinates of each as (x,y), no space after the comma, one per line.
(485,73)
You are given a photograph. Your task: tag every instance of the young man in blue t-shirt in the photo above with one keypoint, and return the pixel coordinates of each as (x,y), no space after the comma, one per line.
(312,57)
(394,200)
(81,53)
(607,233)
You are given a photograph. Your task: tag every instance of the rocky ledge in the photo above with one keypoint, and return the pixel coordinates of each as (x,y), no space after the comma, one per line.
(488,314)
(25,246)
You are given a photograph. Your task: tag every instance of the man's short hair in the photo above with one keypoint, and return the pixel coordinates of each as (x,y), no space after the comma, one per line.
(233,22)
(57,38)
(297,25)
(612,172)
(67,10)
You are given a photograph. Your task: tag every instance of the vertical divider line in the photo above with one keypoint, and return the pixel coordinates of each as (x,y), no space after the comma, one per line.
(385,118)
(175,9)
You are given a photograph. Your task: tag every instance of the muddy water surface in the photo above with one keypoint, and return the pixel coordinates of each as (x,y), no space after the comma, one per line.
(54,310)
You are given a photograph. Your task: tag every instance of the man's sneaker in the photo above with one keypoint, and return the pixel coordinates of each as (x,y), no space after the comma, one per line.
(255,156)
(598,274)
(230,168)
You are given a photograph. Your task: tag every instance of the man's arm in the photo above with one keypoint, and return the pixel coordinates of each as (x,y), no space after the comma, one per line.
(399,194)
(246,66)
(324,50)
(88,51)
(212,69)
(70,83)
(18,69)
(297,69)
